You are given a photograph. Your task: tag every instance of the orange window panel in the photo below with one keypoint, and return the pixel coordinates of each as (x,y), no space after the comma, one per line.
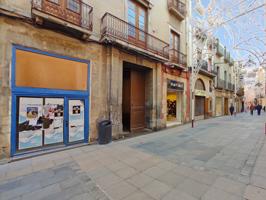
(42,71)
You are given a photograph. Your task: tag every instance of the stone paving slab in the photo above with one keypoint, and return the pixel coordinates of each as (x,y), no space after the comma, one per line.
(221,158)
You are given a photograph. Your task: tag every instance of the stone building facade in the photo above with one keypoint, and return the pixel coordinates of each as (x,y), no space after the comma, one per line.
(65,67)
(225,82)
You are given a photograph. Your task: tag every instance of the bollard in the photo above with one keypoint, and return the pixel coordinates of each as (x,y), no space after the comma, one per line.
(265,129)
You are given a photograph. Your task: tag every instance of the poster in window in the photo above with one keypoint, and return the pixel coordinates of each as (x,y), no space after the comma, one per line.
(76,120)
(29,127)
(53,113)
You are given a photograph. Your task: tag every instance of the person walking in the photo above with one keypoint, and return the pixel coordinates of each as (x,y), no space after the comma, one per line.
(259,107)
(251,109)
(231,109)
(264,108)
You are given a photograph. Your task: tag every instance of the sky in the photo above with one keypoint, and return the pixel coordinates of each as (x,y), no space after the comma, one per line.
(245,36)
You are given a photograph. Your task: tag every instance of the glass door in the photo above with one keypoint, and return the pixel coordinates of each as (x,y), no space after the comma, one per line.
(39,122)
(76,120)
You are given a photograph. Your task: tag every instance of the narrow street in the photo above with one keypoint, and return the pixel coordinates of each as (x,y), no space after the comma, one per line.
(222,158)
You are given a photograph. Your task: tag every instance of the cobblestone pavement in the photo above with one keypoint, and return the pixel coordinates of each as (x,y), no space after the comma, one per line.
(221,159)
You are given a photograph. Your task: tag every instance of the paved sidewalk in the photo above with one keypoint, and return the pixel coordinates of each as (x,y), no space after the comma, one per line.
(221,159)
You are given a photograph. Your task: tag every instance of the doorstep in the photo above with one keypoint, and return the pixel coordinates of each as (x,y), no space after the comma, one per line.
(173,123)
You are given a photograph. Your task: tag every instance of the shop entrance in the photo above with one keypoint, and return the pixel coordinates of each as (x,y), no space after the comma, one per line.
(46,121)
(226,106)
(50,100)
(133,106)
(200,106)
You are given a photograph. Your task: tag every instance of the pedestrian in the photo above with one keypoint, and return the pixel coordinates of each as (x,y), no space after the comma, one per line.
(251,109)
(232,108)
(259,107)
(264,108)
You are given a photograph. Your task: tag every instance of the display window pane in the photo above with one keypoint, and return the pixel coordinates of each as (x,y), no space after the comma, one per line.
(53,120)
(29,131)
(76,120)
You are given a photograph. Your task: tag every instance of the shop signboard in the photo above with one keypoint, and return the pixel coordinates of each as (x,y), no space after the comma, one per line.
(200,93)
(175,85)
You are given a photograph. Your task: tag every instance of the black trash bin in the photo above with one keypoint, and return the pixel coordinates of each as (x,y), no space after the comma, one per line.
(105,132)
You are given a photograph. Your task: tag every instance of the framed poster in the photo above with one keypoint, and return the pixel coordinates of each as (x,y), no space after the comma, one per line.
(53,120)
(30,123)
(76,120)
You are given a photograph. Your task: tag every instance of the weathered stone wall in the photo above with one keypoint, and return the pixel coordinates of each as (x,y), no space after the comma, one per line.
(18,32)
(152,88)
(106,76)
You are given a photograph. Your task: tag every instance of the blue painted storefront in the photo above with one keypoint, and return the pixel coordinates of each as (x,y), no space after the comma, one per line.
(67,95)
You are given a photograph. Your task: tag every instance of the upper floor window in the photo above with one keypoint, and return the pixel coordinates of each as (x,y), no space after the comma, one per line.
(137,17)
(73,5)
(54,1)
(210,86)
(174,40)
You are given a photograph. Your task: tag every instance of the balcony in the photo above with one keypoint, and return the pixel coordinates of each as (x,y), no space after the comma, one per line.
(226,56)
(177,8)
(231,87)
(177,57)
(220,84)
(231,62)
(220,50)
(73,14)
(206,69)
(124,33)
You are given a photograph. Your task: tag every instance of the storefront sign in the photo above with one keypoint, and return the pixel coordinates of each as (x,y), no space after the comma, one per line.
(200,93)
(175,85)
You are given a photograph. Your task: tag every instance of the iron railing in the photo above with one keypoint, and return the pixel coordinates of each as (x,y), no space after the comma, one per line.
(231,61)
(219,49)
(114,27)
(178,6)
(220,83)
(177,57)
(231,86)
(205,66)
(226,56)
(73,11)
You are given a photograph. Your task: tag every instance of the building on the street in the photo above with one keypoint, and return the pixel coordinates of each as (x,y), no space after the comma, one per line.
(240,92)
(204,90)
(224,81)
(66,65)
(175,75)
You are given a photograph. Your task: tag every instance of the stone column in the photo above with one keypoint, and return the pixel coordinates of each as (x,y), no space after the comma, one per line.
(115,79)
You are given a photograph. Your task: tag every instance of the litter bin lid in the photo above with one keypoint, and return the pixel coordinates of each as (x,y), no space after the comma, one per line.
(104,122)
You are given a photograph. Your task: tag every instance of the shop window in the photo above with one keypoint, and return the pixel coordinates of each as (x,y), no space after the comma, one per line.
(40,122)
(41,71)
(73,5)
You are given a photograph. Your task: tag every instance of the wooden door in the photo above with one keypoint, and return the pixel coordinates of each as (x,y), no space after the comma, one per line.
(225,106)
(137,110)
(206,108)
(174,46)
(137,17)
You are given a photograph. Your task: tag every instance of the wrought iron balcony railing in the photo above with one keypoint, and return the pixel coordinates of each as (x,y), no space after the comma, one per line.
(116,28)
(231,86)
(177,57)
(226,56)
(73,11)
(178,7)
(220,49)
(231,61)
(205,67)
(220,84)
